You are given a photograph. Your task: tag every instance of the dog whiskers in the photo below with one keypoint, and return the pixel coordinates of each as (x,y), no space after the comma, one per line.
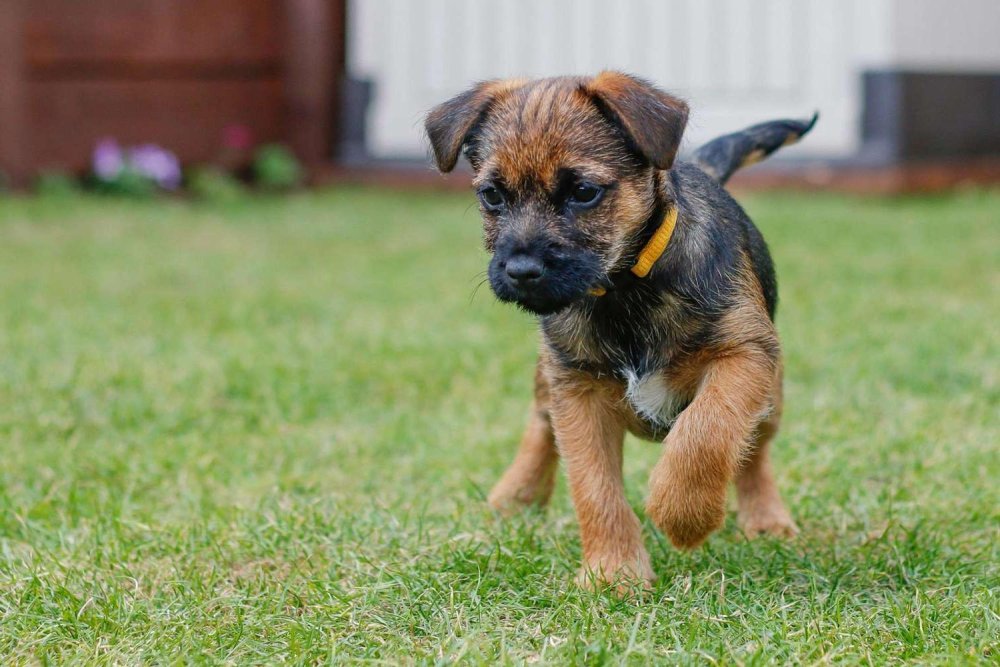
(484,278)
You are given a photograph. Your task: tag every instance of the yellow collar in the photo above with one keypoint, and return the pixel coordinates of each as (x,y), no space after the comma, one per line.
(653,250)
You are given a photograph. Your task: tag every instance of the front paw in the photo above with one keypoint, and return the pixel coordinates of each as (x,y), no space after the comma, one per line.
(625,575)
(686,512)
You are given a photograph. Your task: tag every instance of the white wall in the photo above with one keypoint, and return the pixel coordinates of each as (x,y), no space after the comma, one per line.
(947,35)
(736,61)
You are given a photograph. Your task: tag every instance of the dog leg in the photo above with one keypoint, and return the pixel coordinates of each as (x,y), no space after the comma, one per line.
(591,432)
(703,450)
(530,478)
(761,510)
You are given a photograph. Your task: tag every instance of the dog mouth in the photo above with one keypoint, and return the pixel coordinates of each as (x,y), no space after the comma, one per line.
(544,283)
(536,304)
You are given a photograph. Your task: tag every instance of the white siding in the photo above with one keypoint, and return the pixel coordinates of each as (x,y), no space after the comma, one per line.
(947,35)
(736,61)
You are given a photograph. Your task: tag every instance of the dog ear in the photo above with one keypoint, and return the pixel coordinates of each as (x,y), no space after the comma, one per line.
(653,120)
(450,125)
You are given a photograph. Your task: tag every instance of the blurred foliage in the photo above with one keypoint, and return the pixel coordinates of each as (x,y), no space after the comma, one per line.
(212,183)
(56,184)
(275,167)
(128,182)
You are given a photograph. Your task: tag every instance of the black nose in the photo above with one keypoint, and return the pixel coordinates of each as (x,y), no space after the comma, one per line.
(524,268)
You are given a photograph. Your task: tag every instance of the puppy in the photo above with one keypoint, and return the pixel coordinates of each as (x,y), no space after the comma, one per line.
(655,296)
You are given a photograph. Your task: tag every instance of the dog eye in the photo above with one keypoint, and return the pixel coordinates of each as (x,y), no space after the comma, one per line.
(586,194)
(491,197)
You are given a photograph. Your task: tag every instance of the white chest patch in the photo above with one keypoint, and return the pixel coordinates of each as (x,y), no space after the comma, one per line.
(651,398)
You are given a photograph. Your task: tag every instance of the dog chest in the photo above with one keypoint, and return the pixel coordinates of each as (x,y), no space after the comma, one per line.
(652,398)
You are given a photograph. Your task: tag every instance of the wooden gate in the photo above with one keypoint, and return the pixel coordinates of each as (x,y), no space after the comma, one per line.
(171,72)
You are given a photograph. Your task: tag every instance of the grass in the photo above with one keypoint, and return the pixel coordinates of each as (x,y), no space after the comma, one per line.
(263,431)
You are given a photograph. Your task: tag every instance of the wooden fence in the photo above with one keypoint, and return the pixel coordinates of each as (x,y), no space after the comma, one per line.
(171,72)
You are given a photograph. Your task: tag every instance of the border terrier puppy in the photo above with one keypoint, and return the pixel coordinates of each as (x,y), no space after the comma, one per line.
(655,295)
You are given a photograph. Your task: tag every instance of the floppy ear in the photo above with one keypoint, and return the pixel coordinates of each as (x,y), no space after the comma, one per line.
(450,125)
(651,118)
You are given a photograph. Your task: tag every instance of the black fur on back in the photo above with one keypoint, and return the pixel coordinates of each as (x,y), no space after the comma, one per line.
(718,231)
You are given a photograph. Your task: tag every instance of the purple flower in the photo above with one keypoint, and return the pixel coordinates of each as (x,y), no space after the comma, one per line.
(110,161)
(107,160)
(158,164)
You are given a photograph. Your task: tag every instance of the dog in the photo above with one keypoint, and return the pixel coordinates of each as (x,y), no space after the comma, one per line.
(655,296)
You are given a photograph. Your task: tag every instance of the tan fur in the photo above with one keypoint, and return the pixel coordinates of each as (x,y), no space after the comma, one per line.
(736,384)
(530,478)
(731,385)
(587,417)
(537,129)
(753,157)
(761,510)
(706,445)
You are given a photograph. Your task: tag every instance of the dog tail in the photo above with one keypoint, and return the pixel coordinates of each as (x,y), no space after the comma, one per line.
(720,157)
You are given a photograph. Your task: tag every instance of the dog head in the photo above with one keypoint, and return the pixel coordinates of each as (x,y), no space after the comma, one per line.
(566,171)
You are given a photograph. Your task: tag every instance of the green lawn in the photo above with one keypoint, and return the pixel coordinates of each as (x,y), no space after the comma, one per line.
(264,431)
